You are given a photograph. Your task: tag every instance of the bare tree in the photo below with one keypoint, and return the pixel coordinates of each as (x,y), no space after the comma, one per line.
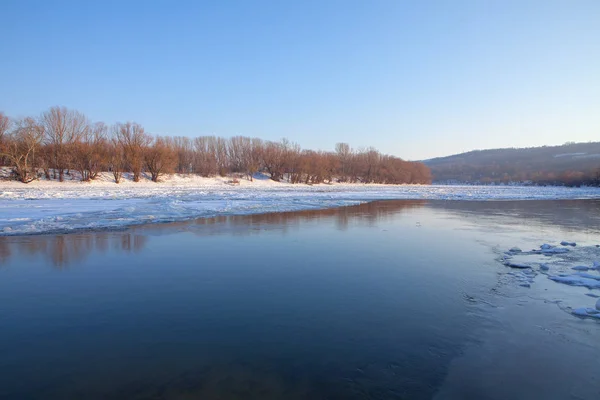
(89,153)
(273,159)
(63,127)
(254,157)
(5,125)
(183,147)
(116,157)
(344,154)
(220,150)
(244,155)
(21,147)
(290,158)
(205,157)
(235,154)
(159,158)
(134,141)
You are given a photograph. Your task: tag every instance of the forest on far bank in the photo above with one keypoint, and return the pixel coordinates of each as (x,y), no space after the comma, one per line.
(570,164)
(61,140)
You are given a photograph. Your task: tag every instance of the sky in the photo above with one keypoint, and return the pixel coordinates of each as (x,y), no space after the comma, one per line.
(416,79)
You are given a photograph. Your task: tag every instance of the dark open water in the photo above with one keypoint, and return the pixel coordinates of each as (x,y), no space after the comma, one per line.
(387,300)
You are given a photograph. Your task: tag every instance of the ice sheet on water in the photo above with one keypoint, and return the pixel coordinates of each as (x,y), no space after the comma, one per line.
(51,208)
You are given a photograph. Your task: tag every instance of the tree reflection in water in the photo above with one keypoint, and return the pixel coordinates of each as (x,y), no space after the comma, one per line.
(66,250)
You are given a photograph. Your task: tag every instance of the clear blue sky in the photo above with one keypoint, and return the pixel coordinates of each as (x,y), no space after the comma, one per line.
(415,79)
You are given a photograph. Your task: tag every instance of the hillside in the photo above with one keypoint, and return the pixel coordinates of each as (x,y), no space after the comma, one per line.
(568,164)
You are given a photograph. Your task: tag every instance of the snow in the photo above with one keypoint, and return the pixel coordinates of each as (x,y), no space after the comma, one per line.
(49,206)
(569,155)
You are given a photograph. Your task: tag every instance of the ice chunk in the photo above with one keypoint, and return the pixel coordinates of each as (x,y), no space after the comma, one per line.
(576,280)
(592,295)
(581,268)
(586,312)
(565,243)
(589,276)
(517,265)
(598,305)
(596,265)
(546,246)
(527,285)
(544,267)
(515,250)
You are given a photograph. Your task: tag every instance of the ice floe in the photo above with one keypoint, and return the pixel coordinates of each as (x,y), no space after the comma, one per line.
(565,243)
(587,312)
(576,280)
(517,265)
(588,276)
(581,268)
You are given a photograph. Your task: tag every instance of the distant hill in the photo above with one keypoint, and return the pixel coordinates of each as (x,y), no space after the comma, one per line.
(570,164)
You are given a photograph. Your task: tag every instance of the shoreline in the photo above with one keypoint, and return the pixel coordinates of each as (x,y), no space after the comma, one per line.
(105,180)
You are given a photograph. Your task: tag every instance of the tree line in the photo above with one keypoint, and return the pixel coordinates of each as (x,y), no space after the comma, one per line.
(62,140)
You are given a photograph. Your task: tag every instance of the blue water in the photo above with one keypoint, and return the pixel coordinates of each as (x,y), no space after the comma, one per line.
(386,300)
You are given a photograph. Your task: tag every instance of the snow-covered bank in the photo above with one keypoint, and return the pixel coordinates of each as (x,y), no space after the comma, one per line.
(43,207)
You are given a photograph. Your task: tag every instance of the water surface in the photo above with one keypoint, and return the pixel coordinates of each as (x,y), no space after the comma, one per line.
(385,300)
